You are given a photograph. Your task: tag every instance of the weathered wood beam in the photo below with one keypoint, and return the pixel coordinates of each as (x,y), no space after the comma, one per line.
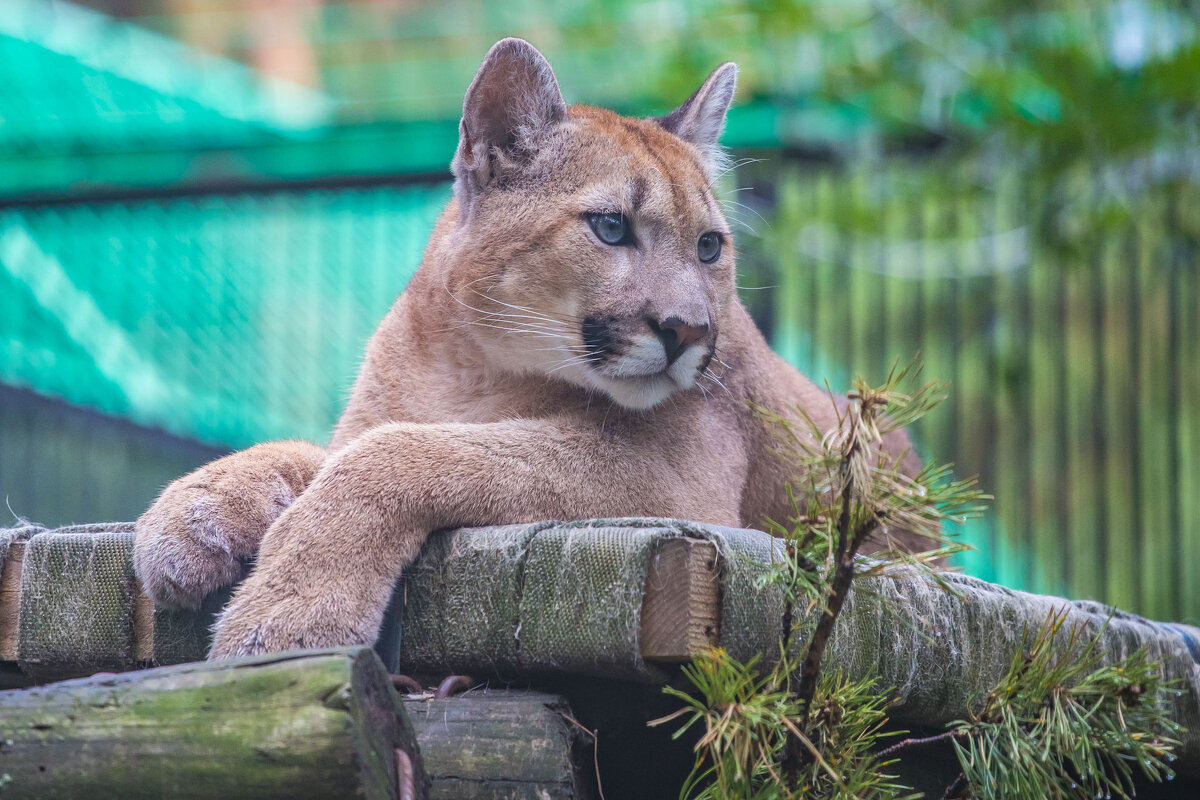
(10,600)
(680,612)
(316,724)
(497,745)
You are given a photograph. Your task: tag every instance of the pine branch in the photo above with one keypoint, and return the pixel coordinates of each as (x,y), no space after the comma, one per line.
(849,541)
(915,742)
(1058,724)
(956,788)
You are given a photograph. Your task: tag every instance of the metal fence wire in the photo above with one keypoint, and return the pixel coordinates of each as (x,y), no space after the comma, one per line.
(226,319)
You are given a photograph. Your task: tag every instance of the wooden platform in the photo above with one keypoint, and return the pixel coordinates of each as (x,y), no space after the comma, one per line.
(680,612)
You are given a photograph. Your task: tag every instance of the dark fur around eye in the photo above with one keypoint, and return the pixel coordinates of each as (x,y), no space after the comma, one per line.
(611,228)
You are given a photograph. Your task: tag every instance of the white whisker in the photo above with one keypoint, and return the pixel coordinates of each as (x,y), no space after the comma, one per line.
(708,373)
(752,210)
(515,308)
(574,362)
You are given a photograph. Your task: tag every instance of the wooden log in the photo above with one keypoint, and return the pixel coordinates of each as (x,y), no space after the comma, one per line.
(681,606)
(500,745)
(10,611)
(10,600)
(680,611)
(314,724)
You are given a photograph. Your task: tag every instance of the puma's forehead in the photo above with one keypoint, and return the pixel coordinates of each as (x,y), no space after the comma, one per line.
(631,163)
(637,135)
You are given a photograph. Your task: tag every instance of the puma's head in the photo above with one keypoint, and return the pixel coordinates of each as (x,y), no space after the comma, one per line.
(590,246)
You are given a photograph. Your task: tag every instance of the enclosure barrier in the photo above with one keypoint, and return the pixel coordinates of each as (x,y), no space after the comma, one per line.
(604,598)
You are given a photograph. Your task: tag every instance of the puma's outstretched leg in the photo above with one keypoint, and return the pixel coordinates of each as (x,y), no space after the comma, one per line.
(327,566)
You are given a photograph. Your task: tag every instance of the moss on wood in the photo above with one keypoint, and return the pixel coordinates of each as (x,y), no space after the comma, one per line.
(311,725)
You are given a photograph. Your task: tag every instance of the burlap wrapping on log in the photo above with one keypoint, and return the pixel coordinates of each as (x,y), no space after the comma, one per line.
(567,597)
(942,651)
(563,597)
(540,598)
(77,590)
(182,635)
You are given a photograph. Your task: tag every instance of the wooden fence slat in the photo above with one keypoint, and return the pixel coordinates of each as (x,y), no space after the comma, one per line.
(1086,576)
(1118,423)
(1153,390)
(1044,342)
(1061,396)
(1187,312)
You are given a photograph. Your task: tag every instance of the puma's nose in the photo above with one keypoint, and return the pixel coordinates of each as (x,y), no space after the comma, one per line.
(676,335)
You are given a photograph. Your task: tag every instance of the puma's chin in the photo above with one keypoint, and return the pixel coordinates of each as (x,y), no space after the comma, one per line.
(639,392)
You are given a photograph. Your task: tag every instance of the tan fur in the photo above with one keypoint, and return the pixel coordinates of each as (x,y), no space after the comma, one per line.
(479,402)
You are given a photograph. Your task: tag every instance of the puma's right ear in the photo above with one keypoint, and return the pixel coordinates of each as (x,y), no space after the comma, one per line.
(513,98)
(702,116)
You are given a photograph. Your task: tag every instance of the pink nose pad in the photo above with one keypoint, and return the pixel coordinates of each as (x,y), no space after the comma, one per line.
(676,335)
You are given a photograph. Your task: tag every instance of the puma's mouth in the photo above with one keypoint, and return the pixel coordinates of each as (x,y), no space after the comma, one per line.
(641,370)
(635,384)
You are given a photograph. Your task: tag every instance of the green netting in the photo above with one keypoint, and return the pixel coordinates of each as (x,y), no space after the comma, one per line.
(90,100)
(84,106)
(228,319)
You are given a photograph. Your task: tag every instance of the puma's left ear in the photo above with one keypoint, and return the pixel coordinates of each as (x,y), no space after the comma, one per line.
(700,119)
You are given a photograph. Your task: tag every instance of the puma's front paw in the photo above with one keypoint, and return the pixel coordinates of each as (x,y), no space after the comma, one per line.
(258,621)
(198,534)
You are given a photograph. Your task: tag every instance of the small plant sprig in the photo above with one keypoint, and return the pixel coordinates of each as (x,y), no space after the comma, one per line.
(746,720)
(856,492)
(795,730)
(1056,726)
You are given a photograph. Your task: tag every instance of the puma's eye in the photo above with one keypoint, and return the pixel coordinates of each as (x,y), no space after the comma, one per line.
(613,229)
(709,247)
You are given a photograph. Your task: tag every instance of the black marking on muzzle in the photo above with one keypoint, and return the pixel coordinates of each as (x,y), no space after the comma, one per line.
(598,335)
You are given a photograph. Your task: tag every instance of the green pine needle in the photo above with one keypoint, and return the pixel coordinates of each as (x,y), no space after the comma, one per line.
(1058,725)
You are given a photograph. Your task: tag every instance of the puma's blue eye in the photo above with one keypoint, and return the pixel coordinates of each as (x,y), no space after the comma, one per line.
(709,247)
(611,228)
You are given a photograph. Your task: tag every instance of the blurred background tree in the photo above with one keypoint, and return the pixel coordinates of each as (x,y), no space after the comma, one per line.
(207,205)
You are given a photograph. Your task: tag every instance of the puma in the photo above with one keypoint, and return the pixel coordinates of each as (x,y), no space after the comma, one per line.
(572,346)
